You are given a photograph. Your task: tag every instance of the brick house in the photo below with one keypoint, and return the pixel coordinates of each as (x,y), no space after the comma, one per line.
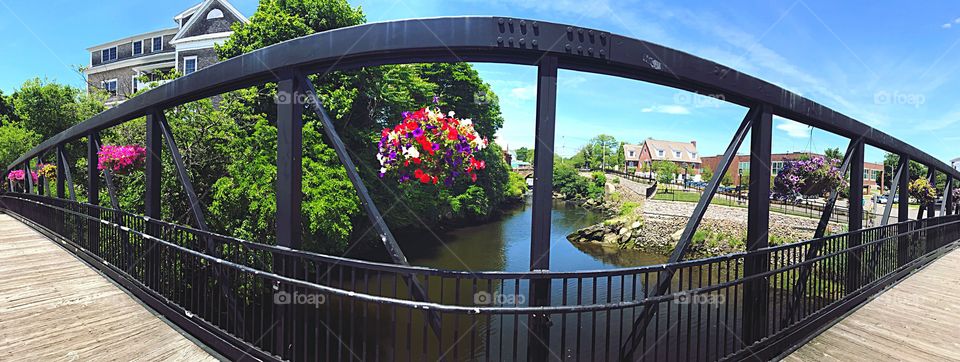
(871,171)
(684,154)
(116,66)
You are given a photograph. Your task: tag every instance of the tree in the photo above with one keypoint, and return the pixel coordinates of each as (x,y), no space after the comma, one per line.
(603,151)
(706,173)
(620,160)
(6,109)
(833,153)
(15,141)
(890,163)
(48,108)
(525,154)
(665,170)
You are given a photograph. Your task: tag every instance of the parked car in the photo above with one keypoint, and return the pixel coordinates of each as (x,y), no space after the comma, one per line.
(880,199)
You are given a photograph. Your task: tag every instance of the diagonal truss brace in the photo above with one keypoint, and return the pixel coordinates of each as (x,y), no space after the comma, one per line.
(66,172)
(664,278)
(389,242)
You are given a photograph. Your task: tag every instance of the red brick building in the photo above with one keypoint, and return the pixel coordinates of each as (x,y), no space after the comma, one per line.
(684,154)
(872,172)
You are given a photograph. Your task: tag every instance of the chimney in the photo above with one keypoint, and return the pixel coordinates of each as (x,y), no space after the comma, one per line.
(694,143)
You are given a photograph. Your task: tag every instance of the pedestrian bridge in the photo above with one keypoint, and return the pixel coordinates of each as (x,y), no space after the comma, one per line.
(186,286)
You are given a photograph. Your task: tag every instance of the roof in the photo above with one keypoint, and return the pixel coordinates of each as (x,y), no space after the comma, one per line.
(203,8)
(688,150)
(636,152)
(131,38)
(187,12)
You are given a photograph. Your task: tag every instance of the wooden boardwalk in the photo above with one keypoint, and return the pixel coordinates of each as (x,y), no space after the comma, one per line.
(53,307)
(916,320)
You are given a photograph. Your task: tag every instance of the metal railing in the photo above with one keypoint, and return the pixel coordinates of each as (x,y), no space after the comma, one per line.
(350,309)
(222,289)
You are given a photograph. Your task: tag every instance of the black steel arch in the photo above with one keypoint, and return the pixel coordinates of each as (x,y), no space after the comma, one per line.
(490,39)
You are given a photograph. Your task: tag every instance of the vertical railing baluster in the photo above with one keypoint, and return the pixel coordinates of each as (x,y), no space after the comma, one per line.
(854,269)
(93,194)
(151,200)
(289,189)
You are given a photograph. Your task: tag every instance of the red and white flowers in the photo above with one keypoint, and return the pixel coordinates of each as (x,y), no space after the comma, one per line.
(429,146)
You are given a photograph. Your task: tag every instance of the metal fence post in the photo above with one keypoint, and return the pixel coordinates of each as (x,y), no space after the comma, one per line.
(154,173)
(93,193)
(542,204)
(289,191)
(903,212)
(855,221)
(756,292)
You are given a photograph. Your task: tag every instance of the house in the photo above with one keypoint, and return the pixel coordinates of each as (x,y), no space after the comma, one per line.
(684,154)
(872,172)
(118,65)
(631,157)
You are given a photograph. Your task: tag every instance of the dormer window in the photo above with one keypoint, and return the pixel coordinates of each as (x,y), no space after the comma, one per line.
(157,44)
(214,14)
(631,153)
(676,154)
(137,47)
(108,54)
(693,155)
(660,153)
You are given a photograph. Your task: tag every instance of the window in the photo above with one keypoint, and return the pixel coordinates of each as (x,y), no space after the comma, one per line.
(631,153)
(693,155)
(660,153)
(744,166)
(157,44)
(108,54)
(676,154)
(110,86)
(137,47)
(214,14)
(777,167)
(189,65)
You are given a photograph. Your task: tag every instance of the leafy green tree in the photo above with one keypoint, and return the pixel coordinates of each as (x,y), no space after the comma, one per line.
(516,187)
(666,171)
(706,174)
(525,154)
(890,163)
(833,153)
(15,141)
(620,160)
(48,108)
(6,109)
(603,151)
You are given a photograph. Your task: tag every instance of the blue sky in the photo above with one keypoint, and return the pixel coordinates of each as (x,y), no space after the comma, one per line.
(893,66)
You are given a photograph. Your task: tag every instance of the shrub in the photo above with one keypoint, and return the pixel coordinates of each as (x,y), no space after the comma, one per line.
(921,190)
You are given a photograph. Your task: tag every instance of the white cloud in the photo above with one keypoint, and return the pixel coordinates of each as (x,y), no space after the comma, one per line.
(956,21)
(524,93)
(794,129)
(666,109)
(947,26)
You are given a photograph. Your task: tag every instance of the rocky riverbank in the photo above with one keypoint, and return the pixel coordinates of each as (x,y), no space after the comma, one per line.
(656,226)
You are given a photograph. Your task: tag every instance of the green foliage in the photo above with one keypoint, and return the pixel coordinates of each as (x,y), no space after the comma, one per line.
(706,174)
(628,207)
(48,108)
(525,154)
(15,141)
(567,181)
(599,179)
(666,171)
(890,163)
(472,204)
(922,190)
(516,187)
(833,153)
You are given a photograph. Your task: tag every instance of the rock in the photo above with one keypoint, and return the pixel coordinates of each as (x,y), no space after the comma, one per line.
(610,239)
(636,225)
(622,231)
(625,237)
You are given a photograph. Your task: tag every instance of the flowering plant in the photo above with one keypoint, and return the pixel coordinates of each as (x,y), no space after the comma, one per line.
(809,177)
(922,190)
(47,170)
(429,146)
(18,175)
(120,159)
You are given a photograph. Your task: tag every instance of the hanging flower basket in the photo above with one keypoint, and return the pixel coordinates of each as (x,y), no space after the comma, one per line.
(121,160)
(922,190)
(47,170)
(815,176)
(429,146)
(18,175)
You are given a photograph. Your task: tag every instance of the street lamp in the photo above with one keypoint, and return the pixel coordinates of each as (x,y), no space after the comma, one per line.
(739,183)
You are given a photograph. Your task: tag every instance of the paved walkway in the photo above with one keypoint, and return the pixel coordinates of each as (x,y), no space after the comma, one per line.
(53,307)
(916,320)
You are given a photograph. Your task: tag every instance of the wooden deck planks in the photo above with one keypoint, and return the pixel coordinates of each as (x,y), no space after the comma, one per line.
(55,307)
(916,320)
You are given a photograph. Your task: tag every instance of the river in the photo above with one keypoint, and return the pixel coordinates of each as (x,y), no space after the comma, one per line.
(504,244)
